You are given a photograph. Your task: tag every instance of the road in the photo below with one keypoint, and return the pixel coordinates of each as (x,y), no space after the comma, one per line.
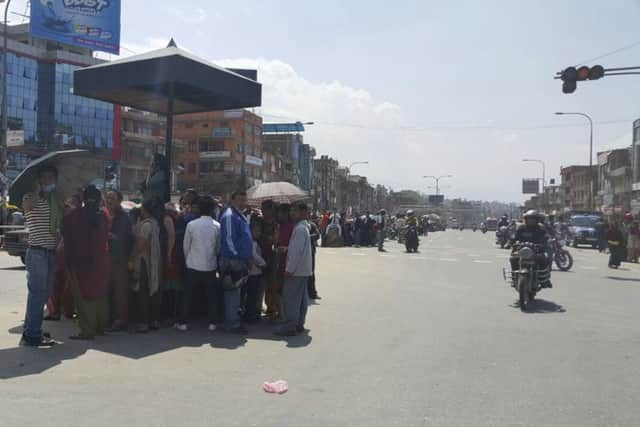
(427,339)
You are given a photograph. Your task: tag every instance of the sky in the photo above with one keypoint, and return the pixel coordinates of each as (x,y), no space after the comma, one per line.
(460,87)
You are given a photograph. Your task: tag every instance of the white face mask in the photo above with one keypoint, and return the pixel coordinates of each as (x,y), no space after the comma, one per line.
(48,188)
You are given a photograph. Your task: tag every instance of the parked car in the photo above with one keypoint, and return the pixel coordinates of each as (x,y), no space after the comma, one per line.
(14,242)
(582,230)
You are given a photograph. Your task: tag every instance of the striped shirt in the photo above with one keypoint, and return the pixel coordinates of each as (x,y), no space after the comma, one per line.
(39,224)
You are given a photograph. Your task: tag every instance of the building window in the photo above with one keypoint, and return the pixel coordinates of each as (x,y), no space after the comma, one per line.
(192,168)
(192,147)
(208,167)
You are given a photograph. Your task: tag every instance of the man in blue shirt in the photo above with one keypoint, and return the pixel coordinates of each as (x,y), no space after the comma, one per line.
(237,250)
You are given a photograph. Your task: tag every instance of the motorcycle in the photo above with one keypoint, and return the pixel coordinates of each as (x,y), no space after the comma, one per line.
(502,236)
(474,228)
(561,256)
(411,239)
(483,229)
(527,279)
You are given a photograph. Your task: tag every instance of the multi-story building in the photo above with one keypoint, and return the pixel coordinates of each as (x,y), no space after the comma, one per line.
(552,198)
(325,183)
(286,139)
(576,185)
(143,135)
(229,150)
(635,168)
(614,181)
(43,113)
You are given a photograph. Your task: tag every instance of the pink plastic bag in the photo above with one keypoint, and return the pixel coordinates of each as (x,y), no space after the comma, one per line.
(278,387)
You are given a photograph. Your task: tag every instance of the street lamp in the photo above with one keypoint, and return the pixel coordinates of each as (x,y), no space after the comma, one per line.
(544,181)
(357,163)
(543,177)
(437,179)
(560,113)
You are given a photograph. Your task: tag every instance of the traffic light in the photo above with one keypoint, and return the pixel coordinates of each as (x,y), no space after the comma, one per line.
(571,75)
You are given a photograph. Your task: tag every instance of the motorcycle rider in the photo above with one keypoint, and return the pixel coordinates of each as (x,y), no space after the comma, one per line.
(504,221)
(532,231)
(412,219)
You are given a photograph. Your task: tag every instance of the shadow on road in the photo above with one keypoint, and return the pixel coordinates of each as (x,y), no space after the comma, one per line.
(23,361)
(623,279)
(15,268)
(541,306)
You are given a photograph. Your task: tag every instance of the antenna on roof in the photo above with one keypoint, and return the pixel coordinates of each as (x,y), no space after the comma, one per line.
(172,43)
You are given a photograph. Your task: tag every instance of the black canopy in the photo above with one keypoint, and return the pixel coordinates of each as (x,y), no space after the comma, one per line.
(169,81)
(145,82)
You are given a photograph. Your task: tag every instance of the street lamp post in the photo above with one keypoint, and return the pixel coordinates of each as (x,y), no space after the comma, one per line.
(544,180)
(437,179)
(560,113)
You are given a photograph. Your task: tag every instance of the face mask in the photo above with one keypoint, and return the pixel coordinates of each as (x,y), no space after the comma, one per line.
(48,188)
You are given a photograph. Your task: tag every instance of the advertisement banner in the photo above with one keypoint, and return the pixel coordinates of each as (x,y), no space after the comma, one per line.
(15,138)
(530,186)
(92,24)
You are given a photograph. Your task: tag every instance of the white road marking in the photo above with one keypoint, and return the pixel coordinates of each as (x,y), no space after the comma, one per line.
(503,256)
(482,261)
(449,259)
(387,256)
(358,254)
(418,257)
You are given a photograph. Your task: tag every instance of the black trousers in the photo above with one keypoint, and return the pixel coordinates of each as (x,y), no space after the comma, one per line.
(250,295)
(311,285)
(194,280)
(148,306)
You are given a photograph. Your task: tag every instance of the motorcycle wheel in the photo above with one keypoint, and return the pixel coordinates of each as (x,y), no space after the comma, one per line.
(502,245)
(564,260)
(523,299)
(574,243)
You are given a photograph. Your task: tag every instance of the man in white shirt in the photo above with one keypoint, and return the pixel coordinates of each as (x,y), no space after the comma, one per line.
(201,250)
(298,270)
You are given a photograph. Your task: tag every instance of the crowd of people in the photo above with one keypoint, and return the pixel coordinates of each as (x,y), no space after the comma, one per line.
(160,265)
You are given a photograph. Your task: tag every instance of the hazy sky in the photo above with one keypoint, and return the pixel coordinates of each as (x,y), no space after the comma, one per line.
(420,87)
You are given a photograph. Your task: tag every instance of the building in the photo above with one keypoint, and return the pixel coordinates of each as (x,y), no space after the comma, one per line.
(325,183)
(635,168)
(614,181)
(143,135)
(576,183)
(552,198)
(227,150)
(43,113)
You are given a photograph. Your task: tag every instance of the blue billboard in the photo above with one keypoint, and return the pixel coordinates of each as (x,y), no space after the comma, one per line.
(92,24)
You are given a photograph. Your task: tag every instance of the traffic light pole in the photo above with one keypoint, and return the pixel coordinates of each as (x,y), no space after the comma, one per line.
(571,75)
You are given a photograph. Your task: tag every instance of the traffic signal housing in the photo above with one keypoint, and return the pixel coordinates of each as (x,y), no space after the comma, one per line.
(571,75)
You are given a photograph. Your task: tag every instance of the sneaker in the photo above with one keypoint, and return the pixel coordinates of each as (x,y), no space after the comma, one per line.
(212,327)
(182,327)
(36,342)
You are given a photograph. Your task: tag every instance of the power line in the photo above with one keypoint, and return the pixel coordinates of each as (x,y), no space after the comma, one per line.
(453,127)
(613,52)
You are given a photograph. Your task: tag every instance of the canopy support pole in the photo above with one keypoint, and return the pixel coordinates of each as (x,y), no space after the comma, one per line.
(169,140)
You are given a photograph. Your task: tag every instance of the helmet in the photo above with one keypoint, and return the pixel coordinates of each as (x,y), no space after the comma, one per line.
(410,212)
(532,214)
(504,216)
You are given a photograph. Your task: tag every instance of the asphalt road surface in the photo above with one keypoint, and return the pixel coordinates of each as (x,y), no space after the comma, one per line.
(427,339)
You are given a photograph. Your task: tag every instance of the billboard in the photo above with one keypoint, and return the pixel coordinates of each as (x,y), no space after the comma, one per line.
(436,199)
(530,186)
(92,24)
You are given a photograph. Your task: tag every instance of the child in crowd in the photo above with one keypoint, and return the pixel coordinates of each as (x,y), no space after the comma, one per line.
(253,305)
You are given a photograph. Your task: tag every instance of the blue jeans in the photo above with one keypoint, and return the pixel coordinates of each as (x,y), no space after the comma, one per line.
(237,269)
(41,268)
(231,308)
(295,302)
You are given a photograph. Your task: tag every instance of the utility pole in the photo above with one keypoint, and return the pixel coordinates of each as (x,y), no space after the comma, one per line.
(5,120)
